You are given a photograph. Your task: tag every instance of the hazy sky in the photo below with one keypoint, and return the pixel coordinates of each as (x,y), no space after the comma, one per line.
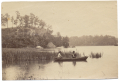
(71,18)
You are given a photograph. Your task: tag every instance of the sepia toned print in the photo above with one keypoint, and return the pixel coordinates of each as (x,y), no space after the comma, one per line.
(59,40)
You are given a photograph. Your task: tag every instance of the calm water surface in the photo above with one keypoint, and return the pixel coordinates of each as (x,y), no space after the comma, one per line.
(105,67)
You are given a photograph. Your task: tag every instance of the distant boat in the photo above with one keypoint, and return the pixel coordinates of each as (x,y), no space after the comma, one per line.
(71,59)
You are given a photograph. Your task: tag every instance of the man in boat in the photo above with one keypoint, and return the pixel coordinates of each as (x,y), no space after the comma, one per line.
(73,55)
(59,55)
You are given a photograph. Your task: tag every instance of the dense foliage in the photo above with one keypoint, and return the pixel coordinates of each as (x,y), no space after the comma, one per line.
(29,31)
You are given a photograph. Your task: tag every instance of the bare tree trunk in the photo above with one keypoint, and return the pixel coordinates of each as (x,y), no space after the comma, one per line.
(12,24)
(7,24)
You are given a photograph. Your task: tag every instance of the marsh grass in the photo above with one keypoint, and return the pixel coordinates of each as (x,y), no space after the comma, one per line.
(96,55)
(14,55)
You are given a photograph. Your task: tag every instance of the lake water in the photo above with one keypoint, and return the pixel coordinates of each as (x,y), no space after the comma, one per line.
(94,68)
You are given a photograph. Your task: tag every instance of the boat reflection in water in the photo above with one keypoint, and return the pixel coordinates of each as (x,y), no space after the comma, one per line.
(73,62)
(60,64)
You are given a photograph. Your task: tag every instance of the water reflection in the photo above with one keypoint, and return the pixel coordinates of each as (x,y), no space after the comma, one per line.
(4,63)
(21,70)
(74,63)
(60,63)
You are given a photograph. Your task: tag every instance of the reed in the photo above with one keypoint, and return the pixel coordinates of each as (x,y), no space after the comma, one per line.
(96,55)
(14,55)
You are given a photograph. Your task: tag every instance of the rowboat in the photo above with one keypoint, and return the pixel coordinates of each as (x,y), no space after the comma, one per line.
(71,59)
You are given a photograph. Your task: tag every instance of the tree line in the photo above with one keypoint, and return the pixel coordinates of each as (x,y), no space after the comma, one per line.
(93,40)
(29,31)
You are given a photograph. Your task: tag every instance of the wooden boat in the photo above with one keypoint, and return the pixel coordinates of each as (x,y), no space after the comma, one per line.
(71,59)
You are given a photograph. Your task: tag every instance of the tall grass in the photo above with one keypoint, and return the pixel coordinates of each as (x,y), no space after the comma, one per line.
(11,56)
(96,55)
(14,55)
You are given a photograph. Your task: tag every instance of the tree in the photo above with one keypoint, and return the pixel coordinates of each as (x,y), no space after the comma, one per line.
(21,19)
(18,15)
(49,29)
(17,18)
(58,40)
(36,20)
(3,20)
(12,20)
(42,23)
(65,42)
(15,22)
(26,20)
(32,17)
(7,18)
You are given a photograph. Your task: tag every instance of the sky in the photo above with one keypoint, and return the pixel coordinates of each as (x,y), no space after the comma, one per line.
(71,18)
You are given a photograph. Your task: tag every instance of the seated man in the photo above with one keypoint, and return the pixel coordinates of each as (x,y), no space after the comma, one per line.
(59,54)
(73,55)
